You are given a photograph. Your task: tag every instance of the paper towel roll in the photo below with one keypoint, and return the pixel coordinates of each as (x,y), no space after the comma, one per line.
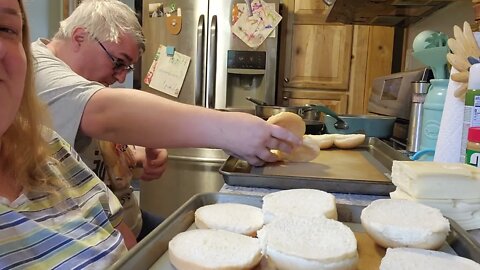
(450,135)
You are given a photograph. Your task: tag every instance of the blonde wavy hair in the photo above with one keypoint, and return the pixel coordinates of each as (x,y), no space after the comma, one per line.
(24,153)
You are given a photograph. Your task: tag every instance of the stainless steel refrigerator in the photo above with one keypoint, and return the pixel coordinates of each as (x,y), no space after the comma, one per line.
(222,72)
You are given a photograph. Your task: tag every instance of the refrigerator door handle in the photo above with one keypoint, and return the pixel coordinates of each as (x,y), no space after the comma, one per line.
(199,71)
(212,63)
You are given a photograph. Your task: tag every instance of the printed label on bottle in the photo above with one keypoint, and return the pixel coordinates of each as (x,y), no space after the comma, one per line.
(472,157)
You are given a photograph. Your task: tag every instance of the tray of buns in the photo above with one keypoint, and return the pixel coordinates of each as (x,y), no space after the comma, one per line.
(153,251)
(363,170)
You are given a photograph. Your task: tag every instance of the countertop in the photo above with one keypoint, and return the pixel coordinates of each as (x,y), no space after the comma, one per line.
(356,199)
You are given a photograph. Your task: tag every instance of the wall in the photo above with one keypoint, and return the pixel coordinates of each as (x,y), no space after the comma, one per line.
(43,16)
(443,20)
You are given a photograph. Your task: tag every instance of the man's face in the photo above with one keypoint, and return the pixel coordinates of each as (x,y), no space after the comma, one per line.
(109,62)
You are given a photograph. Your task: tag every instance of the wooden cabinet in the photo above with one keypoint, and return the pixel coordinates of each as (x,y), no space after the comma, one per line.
(319,56)
(329,63)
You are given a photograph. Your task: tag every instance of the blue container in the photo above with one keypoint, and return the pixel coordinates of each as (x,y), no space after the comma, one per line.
(432,116)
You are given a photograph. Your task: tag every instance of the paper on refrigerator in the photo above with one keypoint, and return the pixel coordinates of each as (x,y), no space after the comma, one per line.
(253,30)
(167,73)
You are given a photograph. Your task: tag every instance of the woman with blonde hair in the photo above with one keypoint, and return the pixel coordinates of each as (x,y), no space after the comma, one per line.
(54,211)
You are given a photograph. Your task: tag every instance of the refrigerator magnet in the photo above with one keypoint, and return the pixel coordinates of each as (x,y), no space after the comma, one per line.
(174,22)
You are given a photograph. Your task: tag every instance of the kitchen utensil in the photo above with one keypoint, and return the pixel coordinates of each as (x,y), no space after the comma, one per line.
(256,101)
(373,125)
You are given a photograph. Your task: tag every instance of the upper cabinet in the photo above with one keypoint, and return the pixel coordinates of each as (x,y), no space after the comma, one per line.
(310,11)
(318,56)
(329,63)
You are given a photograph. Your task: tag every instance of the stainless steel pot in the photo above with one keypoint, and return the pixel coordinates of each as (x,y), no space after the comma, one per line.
(308,112)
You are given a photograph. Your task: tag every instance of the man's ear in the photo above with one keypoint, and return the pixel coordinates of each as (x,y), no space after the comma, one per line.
(79,36)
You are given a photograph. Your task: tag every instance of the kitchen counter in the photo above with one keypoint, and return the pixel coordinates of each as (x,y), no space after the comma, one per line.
(343,198)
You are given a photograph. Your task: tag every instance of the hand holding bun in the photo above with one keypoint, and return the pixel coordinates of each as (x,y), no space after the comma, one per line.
(306,152)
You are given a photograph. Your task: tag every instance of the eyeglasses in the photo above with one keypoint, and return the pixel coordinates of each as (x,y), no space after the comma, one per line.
(118,64)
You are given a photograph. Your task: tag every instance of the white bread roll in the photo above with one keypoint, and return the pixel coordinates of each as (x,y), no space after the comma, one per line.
(309,244)
(213,249)
(299,202)
(413,258)
(233,217)
(323,141)
(348,141)
(403,223)
(306,152)
(291,121)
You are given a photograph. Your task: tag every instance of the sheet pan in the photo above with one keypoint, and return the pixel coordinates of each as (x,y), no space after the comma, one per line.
(152,252)
(363,170)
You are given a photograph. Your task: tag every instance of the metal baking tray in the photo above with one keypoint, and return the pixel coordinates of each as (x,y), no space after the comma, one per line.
(152,252)
(363,170)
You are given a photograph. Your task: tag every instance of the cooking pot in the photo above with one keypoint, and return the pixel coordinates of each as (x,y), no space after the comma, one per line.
(309,113)
(371,125)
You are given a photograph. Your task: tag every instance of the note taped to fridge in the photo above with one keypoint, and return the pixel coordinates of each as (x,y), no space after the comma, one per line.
(167,73)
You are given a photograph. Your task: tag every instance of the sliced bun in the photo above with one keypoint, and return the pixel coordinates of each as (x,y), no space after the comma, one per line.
(413,258)
(233,217)
(348,141)
(291,121)
(306,152)
(323,141)
(299,203)
(309,243)
(402,223)
(213,249)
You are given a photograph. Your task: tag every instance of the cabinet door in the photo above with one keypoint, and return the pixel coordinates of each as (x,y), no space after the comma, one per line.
(311,12)
(337,102)
(319,57)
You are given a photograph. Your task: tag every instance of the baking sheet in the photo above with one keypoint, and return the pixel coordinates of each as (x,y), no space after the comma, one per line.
(363,170)
(152,252)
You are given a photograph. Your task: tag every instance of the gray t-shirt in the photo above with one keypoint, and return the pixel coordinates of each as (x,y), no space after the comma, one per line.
(66,93)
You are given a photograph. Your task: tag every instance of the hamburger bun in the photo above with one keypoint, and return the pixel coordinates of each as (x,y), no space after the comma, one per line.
(233,217)
(403,223)
(299,203)
(413,258)
(305,152)
(290,121)
(348,141)
(213,249)
(323,141)
(303,243)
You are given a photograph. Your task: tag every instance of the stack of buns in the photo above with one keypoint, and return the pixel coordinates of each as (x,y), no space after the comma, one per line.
(453,188)
(301,233)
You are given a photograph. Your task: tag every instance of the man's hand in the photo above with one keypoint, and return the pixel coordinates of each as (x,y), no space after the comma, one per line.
(153,161)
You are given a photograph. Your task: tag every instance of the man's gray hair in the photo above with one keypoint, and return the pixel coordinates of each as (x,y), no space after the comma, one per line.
(105,20)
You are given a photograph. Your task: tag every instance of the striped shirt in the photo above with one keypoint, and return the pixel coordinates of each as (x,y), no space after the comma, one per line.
(74,230)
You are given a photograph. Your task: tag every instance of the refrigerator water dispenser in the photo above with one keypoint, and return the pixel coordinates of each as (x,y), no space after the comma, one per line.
(245,78)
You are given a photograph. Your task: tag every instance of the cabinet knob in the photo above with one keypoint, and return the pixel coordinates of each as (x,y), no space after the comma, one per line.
(285,98)
(286,79)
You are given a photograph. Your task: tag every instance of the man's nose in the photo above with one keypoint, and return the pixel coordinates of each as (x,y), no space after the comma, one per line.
(120,75)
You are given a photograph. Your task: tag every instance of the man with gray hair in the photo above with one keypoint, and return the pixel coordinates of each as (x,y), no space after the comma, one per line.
(95,47)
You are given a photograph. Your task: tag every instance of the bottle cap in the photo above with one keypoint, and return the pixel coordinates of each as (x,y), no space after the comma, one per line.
(474,134)
(474,77)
